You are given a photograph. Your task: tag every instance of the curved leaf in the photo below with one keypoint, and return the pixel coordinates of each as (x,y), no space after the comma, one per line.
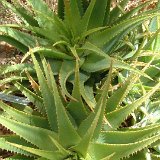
(28,133)
(100,151)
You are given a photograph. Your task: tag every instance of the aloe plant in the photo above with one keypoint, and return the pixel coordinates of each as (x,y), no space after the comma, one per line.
(73,113)
(64,37)
(55,129)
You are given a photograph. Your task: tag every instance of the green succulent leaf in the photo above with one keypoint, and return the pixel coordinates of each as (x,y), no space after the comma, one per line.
(107,13)
(132,12)
(32,97)
(123,112)
(51,53)
(128,136)
(21,12)
(48,97)
(16,68)
(108,34)
(17,157)
(63,120)
(85,125)
(100,150)
(24,117)
(95,122)
(61,9)
(72,9)
(40,7)
(12,41)
(116,12)
(82,81)
(7,146)
(82,147)
(117,97)
(43,153)
(12,79)
(27,40)
(98,14)
(66,70)
(101,61)
(88,95)
(84,24)
(28,132)
(76,107)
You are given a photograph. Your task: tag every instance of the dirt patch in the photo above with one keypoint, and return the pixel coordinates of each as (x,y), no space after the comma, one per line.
(8,54)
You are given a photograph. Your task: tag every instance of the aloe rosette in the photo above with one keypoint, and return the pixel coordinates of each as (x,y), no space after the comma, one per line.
(55,129)
(91,36)
(70,116)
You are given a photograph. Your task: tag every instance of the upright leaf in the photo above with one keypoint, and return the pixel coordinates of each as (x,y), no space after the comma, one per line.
(47,95)
(85,125)
(84,23)
(119,94)
(76,107)
(98,14)
(64,123)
